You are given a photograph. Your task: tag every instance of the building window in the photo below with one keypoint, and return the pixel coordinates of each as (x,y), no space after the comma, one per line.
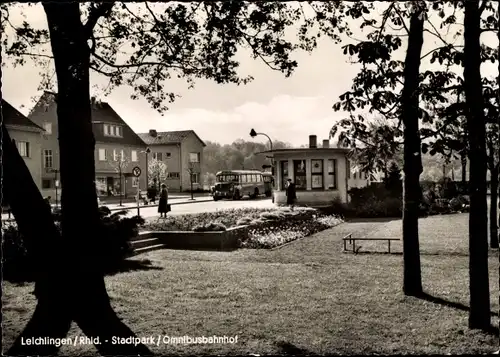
(284,173)
(115,155)
(47,159)
(47,183)
(157,156)
(194,157)
(168,155)
(299,173)
(122,155)
(133,155)
(173,175)
(135,181)
(102,154)
(24,148)
(332,174)
(348,163)
(48,128)
(317,174)
(112,130)
(366,175)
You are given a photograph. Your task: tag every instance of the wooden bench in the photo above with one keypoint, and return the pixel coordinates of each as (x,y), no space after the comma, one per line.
(352,241)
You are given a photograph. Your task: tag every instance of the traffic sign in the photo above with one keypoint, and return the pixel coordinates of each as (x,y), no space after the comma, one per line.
(136,171)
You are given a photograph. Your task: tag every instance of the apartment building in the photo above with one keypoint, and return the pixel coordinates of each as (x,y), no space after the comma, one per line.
(28,138)
(182,152)
(118,148)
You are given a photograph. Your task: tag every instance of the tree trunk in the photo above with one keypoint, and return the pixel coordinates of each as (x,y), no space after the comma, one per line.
(412,281)
(479,315)
(44,247)
(494,209)
(463,160)
(76,290)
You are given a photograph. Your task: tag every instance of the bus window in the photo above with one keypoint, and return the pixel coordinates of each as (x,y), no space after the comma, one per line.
(254,178)
(243,178)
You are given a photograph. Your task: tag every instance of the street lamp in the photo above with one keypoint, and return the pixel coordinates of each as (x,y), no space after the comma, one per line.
(147,151)
(253,134)
(56,183)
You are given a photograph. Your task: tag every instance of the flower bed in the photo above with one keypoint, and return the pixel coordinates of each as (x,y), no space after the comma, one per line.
(228,218)
(266,228)
(272,234)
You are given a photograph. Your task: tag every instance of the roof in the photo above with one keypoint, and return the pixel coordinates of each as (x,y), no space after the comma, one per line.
(271,153)
(12,116)
(168,137)
(103,113)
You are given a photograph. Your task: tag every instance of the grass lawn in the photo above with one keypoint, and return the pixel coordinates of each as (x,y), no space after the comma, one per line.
(307,297)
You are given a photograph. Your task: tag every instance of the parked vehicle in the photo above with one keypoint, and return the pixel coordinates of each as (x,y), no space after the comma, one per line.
(238,183)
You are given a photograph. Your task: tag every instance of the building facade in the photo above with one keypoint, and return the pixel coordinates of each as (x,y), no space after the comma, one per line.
(321,174)
(28,138)
(118,149)
(182,153)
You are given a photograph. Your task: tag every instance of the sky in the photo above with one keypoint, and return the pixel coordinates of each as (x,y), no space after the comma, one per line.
(286,109)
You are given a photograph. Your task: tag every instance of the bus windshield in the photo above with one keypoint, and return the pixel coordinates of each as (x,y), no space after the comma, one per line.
(227,178)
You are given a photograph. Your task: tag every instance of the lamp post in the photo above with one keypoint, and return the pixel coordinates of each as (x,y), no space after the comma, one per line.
(120,176)
(253,134)
(147,151)
(56,183)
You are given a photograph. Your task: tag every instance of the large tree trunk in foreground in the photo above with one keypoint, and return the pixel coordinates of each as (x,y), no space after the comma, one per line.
(412,280)
(77,290)
(479,315)
(43,244)
(463,161)
(494,209)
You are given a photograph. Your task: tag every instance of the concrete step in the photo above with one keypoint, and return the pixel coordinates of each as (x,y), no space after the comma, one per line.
(148,249)
(144,243)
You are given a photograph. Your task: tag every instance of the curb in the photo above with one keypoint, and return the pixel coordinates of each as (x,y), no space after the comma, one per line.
(156,205)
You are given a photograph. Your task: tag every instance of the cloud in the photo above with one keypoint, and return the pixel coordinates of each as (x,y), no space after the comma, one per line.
(284,117)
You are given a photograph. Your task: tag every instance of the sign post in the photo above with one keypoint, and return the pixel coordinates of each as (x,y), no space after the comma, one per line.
(136,171)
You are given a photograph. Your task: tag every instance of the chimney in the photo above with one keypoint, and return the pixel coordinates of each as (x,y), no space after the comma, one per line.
(326,143)
(153,133)
(312,142)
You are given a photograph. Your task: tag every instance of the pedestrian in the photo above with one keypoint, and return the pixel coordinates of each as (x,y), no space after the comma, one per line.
(152,192)
(163,206)
(291,194)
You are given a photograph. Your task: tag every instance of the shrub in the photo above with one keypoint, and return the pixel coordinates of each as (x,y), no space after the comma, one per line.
(388,207)
(116,232)
(271,215)
(211,227)
(244,221)
(337,207)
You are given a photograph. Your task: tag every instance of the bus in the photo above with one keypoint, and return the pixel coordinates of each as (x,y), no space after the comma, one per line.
(268,183)
(236,184)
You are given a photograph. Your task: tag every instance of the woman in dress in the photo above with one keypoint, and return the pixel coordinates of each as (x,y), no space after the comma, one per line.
(163,204)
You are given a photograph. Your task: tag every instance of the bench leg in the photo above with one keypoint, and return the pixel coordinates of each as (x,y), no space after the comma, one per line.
(354,246)
(389,245)
(345,246)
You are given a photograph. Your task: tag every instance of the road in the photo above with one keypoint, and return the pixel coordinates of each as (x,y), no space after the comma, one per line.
(205,206)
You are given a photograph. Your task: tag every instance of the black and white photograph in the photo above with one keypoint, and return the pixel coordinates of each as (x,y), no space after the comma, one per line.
(197,178)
